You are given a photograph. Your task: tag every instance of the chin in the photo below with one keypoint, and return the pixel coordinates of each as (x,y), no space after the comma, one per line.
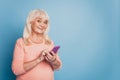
(40,32)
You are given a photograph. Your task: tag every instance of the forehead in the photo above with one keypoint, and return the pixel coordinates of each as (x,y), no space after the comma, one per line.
(41,15)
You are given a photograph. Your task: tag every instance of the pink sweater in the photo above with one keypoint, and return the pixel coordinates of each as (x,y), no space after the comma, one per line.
(22,53)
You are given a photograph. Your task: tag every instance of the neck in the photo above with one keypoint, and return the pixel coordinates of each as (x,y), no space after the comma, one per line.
(36,38)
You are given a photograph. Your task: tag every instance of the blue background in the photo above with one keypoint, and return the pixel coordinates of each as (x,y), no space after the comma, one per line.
(88,32)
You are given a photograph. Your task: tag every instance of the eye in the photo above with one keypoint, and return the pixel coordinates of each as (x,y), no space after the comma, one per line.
(46,22)
(38,20)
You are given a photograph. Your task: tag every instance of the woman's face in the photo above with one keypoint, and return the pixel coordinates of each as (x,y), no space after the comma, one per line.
(39,24)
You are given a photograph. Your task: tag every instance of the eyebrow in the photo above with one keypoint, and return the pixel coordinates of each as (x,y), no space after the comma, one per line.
(38,18)
(41,18)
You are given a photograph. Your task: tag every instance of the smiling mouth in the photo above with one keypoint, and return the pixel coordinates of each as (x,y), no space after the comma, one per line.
(40,28)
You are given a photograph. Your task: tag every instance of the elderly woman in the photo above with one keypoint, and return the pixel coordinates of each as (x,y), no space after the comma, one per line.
(33,58)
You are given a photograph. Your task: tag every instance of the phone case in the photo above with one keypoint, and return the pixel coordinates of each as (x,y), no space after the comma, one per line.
(55,49)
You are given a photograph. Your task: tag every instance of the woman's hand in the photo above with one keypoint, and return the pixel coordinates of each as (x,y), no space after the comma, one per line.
(50,56)
(41,56)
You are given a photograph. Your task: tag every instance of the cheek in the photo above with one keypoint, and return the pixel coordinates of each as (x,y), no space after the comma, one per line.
(47,29)
(33,27)
(46,26)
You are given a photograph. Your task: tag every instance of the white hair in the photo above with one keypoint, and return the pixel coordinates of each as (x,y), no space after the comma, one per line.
(33,15)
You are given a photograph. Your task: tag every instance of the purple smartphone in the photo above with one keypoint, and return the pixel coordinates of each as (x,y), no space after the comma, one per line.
(55,49)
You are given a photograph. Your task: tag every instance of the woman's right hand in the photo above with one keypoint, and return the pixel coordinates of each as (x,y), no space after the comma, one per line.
(41,56)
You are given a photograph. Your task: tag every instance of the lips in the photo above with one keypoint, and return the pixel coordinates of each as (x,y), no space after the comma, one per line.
(39,27)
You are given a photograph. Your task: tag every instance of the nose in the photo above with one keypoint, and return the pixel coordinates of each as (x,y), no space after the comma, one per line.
(43,25)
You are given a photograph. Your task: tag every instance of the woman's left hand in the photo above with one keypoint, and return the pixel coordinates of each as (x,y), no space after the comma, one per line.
(50,56)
